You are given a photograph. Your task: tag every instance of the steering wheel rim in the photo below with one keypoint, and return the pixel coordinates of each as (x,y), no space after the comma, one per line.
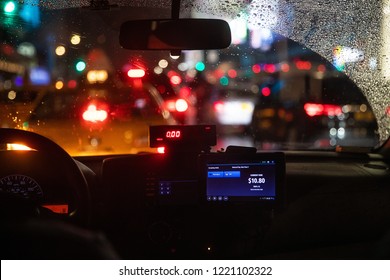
(60,157)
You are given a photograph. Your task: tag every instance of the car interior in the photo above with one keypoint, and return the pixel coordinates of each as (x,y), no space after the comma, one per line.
(185,196)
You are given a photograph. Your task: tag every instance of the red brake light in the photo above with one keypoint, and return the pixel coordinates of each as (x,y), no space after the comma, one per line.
(181,105)
(332,110)
(185,92)
(92,114)
(285,67)
(313,109)
(270,68)
(232,73)
(256,68)
(266,91)
(170,105)
(136,73)
(218,106)
(303,65)
(161,150)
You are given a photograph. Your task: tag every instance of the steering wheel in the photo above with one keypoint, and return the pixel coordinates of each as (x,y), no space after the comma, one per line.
(58,158)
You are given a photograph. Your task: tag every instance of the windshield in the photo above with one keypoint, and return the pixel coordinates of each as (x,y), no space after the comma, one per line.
(298,74)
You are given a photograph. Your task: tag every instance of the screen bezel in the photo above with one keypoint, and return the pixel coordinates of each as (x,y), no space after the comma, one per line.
(233,158)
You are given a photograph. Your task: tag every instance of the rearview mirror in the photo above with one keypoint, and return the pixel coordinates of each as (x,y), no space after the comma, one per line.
(175,34)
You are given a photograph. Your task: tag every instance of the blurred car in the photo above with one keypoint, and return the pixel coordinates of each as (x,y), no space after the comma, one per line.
(233,110)
(81,176)
(103,123)
(175,104)
(325,121)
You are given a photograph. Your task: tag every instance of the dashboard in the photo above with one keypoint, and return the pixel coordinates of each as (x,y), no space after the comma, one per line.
(191,203)
(336,203)
(45,184)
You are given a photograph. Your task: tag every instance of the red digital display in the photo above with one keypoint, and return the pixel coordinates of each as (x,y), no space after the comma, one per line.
(182,135)
(173,134)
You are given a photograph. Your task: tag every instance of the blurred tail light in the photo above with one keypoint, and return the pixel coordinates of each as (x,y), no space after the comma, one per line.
(161,150)
(218,106)
(175,80)
(92,114)
(332,110)
(170,105)
(136,73)
(179,105)
(313,109)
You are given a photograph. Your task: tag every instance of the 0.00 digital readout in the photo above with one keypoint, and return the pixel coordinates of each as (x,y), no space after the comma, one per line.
(242,270)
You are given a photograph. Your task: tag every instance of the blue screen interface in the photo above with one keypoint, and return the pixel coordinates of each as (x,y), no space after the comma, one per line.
(252,181)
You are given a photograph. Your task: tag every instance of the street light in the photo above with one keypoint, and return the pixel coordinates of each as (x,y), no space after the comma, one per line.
(10,7)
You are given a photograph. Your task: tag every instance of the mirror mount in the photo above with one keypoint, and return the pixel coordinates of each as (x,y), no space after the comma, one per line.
(175,12)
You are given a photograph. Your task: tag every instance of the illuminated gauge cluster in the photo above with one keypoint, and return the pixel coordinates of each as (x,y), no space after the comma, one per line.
(21,185)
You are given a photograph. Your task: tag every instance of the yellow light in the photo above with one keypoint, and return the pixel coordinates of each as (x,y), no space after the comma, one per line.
(128,135)
(246,106)
(163,63)
(102,75)
(97,76)
(60,50)
(75,39)
(158,70)
(18,147)
(59,85)
(91,77)
(12,95)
